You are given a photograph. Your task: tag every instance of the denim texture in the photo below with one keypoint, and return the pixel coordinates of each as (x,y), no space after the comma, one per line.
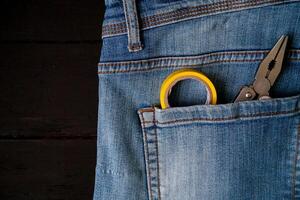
(229,151)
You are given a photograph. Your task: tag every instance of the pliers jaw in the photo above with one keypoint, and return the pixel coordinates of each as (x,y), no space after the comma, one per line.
(267,73)
(271,66)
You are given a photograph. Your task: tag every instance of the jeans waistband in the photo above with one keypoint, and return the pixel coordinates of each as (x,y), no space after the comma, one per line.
(153,13)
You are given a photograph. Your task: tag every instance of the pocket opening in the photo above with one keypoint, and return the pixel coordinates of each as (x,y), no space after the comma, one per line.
(222,112)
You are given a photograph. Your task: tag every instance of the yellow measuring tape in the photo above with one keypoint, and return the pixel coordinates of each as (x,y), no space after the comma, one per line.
(183,74)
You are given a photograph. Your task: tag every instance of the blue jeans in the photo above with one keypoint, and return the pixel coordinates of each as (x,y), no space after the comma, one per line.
(190,151)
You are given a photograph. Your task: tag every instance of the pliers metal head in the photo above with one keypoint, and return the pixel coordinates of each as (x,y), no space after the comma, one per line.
(267,73)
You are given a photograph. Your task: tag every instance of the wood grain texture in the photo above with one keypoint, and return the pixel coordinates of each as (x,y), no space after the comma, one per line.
(48,89)
(51,20)
(48,101)
(47,169)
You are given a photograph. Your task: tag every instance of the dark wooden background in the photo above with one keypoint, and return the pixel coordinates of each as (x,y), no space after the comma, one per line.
(48,98)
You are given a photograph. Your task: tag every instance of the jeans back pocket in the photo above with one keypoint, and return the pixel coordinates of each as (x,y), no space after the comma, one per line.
(223,151)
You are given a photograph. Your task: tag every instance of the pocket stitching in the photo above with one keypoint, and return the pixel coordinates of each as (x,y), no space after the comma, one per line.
(156,140)
(229,118)
(190,61)
(147,155)
(294,172)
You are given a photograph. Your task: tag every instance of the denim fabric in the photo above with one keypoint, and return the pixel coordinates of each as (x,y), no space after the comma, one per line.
(229,151)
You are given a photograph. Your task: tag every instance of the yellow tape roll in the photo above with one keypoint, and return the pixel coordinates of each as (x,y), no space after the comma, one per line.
(182,74)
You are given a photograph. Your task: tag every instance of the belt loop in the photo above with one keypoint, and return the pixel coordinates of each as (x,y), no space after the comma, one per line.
(132,23)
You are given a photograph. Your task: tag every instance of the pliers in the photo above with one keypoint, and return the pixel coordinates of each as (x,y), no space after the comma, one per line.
(267,73)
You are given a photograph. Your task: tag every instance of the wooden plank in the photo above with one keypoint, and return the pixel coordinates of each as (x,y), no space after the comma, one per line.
(48,90)
(51,20)
(47,169)
(48,101)
(48,128)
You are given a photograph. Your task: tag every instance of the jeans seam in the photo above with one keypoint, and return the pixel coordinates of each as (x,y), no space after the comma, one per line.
(190,61)
(184,58)
(226,118)
(196,57)
(158,167)
(177,66)
(294,173)
(152,155)
(146,151)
